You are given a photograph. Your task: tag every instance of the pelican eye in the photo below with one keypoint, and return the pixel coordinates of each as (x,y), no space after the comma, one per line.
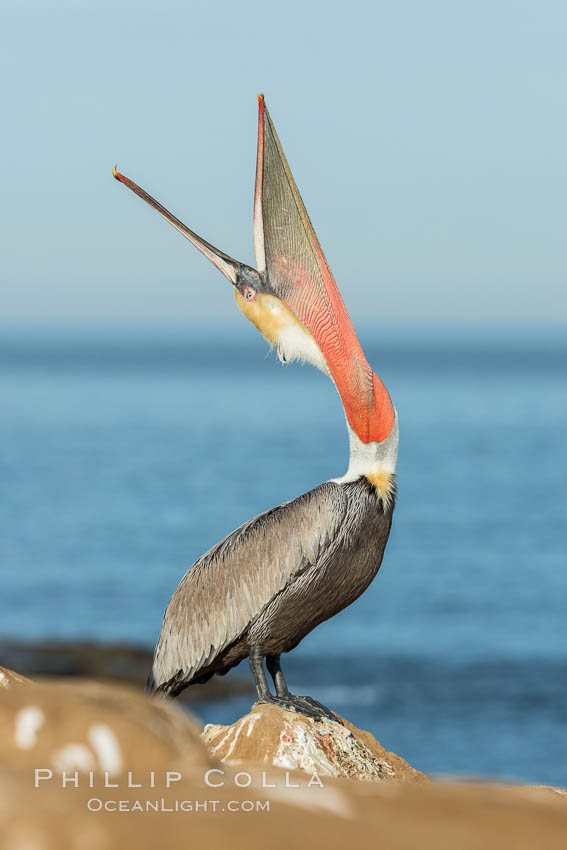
(249,293)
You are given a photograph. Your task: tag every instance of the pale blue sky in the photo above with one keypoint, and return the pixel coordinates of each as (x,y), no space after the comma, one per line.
(429,141)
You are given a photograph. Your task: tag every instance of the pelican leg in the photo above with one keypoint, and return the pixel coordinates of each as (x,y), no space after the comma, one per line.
(305,705)
(276,672)
(284,699)
(256,659)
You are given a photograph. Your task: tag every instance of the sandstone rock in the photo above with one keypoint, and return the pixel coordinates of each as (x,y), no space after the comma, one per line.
(89,726)
(94,727)
(276,738)
(345,814)
(9,679)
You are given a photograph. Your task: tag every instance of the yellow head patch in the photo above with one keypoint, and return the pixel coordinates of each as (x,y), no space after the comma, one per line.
(268,314)
(281,327)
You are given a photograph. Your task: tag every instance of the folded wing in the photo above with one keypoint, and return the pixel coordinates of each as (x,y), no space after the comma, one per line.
(229,586)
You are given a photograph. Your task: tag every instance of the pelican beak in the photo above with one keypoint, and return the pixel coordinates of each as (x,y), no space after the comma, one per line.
(230,268)
(289,256)
(293,299)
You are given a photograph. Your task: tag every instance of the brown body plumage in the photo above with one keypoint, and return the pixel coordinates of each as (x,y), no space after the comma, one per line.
(272,581)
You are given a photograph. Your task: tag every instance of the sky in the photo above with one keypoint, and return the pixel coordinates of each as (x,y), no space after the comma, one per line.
(429,142)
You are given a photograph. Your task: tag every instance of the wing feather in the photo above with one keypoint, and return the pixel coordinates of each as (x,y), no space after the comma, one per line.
(229,586)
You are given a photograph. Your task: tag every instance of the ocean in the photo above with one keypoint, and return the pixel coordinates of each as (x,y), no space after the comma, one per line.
(127,452)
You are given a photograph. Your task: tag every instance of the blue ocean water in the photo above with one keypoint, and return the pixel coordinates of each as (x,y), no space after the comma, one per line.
(126,453)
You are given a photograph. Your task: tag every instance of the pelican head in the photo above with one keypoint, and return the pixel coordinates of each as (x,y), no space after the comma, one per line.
(294,301)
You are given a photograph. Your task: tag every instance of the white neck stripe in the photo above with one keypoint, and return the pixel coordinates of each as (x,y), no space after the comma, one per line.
(369,458)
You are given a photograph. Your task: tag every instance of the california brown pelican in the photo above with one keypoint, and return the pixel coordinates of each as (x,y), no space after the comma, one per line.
(259,591)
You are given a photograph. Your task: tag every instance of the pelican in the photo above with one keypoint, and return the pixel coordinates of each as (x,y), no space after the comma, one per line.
(262,589)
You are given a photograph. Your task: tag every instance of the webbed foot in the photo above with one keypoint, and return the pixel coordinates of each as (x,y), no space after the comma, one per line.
(323,712)
(299,705)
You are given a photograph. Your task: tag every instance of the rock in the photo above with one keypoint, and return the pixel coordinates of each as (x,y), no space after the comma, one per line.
(109,663)
(270,736)
(95,727)
(84,727)
(9,679)
(343,814)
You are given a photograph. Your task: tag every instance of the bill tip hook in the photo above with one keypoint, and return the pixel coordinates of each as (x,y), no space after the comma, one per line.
(115,172)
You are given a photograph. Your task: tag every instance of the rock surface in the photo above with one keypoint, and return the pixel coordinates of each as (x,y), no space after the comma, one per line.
(273,737)
(96,731)
(93,727)
(9,679)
